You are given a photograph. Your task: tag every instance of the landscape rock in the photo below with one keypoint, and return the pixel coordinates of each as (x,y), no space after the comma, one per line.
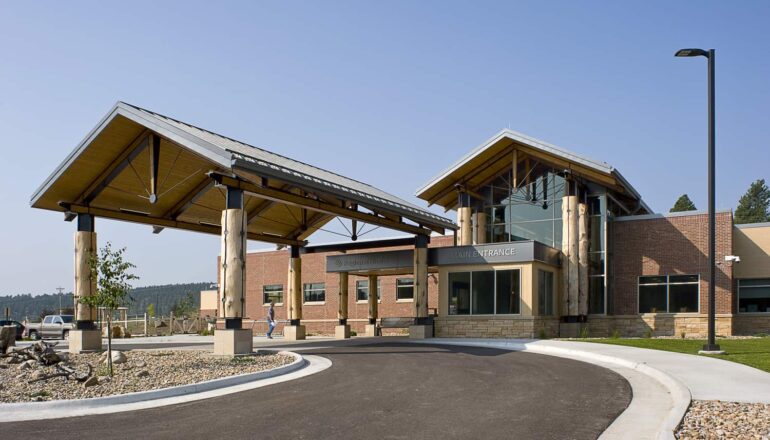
(91,381)
(143,373)
(118,357)
(28,365)
(140,364)
(104,379)
(713,419)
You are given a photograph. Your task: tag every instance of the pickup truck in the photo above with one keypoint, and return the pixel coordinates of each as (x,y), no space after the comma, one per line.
(53,326)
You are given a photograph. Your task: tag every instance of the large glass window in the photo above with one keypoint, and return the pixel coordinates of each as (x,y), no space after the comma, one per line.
(486,292)
(405,288)
(314,292)
(460,293)
(544,292)
(530,212)
(272,292)
(754,296)
(669,294)
(362,290)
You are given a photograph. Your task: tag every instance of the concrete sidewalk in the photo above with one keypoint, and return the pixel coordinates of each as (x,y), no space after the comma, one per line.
(707,378)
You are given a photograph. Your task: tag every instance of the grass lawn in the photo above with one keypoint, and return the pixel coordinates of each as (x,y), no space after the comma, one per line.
(754,352)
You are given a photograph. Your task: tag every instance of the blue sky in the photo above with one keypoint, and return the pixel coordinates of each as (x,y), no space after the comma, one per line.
(389,93)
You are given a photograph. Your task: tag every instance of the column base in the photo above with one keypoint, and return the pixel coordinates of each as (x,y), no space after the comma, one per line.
(420,331)
(294,332)
(84,341)
(371,330)
(232,342)
(342,331)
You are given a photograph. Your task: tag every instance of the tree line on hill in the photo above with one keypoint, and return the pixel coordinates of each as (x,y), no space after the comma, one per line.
(182,299)
(753,207)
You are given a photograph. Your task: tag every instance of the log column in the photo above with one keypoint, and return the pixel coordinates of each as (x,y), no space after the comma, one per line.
(479,226)
(582,259)
(569,303)
(233,339)
(465,234)
(423,327)
(371,328)
(342,330)
(85,337)
(295,330)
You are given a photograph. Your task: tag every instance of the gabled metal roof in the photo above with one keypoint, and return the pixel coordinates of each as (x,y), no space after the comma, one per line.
(601,167)
(305,175)
(125,125)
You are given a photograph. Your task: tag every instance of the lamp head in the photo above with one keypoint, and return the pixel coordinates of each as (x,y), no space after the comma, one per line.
(691,53)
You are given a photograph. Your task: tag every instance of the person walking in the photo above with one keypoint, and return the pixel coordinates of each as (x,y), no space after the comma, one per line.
(270,320)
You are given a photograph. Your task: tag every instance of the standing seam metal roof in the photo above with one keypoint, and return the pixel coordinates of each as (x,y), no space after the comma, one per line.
(294,171)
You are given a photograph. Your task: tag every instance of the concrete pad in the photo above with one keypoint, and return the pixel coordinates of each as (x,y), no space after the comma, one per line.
(420,331)
(371,330)
(342,331)
(231,342)
(294,332)
(84,341)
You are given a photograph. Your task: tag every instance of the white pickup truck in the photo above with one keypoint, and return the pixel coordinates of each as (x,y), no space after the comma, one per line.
(53,326)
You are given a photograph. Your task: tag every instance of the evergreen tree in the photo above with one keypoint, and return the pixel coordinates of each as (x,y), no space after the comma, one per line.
(683,203)
(754,206)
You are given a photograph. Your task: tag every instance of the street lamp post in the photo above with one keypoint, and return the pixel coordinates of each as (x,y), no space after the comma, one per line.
(711,345)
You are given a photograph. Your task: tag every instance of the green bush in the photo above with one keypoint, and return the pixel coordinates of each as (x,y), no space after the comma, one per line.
(615,334)
(542,334)
(583,332)
(353,333)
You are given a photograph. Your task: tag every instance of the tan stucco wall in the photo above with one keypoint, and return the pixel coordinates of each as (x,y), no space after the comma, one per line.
(208,300)
(752,244)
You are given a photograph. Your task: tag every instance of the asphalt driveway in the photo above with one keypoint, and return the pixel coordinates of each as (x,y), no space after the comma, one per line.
(386,391)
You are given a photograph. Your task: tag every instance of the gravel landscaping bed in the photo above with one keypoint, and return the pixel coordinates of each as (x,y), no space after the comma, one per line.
(143,370)
(713,419)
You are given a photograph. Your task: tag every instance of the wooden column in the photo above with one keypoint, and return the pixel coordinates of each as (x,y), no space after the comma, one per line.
(373,309)
(233,339)
(421,277)
(85,284)
(342,330)
(582,259)
(479,227)
(85,337)
(569,267)
(465,234)
(295,330)
(232,268)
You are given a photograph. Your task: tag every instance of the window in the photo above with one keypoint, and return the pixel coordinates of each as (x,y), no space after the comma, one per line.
(544,292)
(405,288)
(48,320)
(362,290)
(669,294)
(272,292)
(314,292)
(486,292)
(754,296)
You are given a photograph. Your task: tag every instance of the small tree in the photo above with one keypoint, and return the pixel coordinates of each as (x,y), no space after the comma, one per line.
(683,203)
(185,306)
(112,286)
(151,310)
(754,206)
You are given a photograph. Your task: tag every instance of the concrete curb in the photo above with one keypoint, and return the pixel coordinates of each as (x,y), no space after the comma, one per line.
(679,393)
(16,412)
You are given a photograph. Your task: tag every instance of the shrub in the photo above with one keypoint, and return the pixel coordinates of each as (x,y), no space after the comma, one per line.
(353,333)
(615,334)
(542,334)
(583,332)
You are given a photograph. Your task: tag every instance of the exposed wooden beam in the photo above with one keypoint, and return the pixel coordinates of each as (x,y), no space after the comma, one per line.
(114,169)
(264,206)
(315,205)
(166,223)
(472,174)
(309,224)
(185,202)
(154,142)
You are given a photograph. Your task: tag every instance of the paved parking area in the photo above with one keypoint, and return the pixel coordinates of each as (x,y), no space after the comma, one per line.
(386,390)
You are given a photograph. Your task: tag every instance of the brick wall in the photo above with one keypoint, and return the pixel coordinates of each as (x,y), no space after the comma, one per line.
(272,268)
(669,246)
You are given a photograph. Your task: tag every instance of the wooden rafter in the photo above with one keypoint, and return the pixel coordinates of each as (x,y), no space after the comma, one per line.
(315,205)
(166,223)
(114,169)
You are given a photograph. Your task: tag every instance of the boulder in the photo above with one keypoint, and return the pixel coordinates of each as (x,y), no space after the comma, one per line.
(91,381)
(118,357)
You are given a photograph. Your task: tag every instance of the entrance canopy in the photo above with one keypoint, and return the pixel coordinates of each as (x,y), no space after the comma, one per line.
(143,167)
